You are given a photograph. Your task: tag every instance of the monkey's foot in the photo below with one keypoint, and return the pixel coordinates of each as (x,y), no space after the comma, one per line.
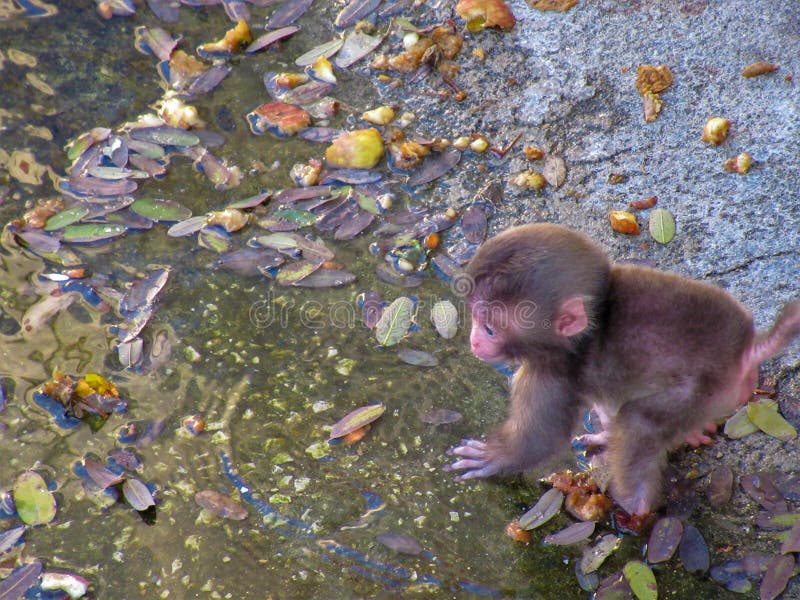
(697,438)
(476,462)
(594,439)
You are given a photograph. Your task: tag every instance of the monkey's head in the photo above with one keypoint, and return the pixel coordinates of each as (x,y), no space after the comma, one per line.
(536,288)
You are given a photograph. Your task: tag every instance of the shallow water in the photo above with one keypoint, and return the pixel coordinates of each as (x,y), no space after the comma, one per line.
(268,368)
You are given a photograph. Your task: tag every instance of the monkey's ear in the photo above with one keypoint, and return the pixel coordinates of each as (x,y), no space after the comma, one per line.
(571,318)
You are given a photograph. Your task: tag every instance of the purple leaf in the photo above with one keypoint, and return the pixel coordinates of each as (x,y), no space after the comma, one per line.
(435,167)
(20,581)
(270,38)
(288,13)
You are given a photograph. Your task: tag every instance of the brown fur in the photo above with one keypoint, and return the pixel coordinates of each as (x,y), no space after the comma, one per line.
(662,356)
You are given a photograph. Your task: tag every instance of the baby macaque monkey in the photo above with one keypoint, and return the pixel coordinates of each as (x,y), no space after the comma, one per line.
(660,357)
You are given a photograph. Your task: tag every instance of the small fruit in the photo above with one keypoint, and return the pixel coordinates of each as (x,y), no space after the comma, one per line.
(739,164)
(623,221)
(716,130)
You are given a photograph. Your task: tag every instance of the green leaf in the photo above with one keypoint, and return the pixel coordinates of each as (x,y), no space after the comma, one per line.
(444,316)
(770,421)
(35,503)
(594,556)
(395,321)
(368,203)
(292,273)
(544,510)
(159,209)
(662,225)
(65,217)
(302,218)
(357,419)
(92,232)
(641,579)
(739,425)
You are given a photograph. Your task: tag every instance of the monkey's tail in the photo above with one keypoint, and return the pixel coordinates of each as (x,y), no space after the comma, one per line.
(786,327)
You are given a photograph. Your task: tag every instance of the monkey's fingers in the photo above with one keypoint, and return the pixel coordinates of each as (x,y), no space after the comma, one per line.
(475,469)
(697,439)
(594,439)
(470,448)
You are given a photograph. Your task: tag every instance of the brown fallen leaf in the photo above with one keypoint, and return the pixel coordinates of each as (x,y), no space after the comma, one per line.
(552,5)
(759,68)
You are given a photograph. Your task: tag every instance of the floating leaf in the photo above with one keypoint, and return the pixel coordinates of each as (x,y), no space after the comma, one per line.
(159,209)
(92,232)
(594,556)
(770,421)
(357,419)
(35,503)
(395,321)
(165,136)
(101,475)
(664,539)
(326,49)
(65,217)
(400,543)
(187,226)
(641,579)
(130,353)
(20,581)
(693,550)
(435,166)
(418,358)
(740,425)
(544,510)
(662,225)
(137,494)
(271,37)
(292,273)
(221,505)
(142,293)
(444,316)
(577,532)
(441,416)
(10,537)
(215,239)
(720,486)
(776,577)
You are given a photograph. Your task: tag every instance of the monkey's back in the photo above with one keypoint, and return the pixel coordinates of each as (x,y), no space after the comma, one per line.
(661,330)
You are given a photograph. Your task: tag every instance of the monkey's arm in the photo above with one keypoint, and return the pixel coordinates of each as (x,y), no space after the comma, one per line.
(542,416)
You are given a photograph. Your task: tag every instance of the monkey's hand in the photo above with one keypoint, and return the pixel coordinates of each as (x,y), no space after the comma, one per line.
(697,438)
(476,462)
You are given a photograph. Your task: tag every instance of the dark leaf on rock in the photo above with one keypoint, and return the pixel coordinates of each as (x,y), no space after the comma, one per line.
(587,581)
(337,215)
(720,486)
(297,194)
(776,577)
(544,510)
(355,11)
(792,542)
(137,494)
(288,13)
(20,581)
(400,543)
(388,275)
(760,488)
(474,222)
(236,10)
(435,166)
(221,505)
(693,550)
(271,37)
(326,49)
(777,522)
(441,416)
(614,587)
(166,10)
(664,539)
(308,93)
(418,358)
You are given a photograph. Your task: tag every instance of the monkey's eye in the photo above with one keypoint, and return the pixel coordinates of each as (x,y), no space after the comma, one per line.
(488,329)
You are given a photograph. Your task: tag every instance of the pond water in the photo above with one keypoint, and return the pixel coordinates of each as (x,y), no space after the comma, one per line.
(268,368)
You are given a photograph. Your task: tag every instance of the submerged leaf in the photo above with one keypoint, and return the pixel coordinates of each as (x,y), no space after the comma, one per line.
(693,550)
(357,419)
(720,486)
(395,321)
(776,577)
(441,416)
(20,580)
(544,510)
(444,316)
(418,358)
(221,505)
(577,532)
(35,503)
(400,543)
(159,209)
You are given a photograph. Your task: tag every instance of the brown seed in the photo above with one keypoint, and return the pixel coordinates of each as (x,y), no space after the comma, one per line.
(517,534)
(643,204)
(759,68)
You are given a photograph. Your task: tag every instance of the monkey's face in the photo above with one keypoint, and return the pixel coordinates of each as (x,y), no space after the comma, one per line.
(488,335)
